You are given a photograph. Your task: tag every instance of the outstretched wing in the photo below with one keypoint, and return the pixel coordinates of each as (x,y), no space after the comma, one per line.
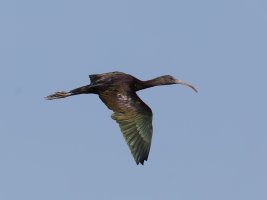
(134,118)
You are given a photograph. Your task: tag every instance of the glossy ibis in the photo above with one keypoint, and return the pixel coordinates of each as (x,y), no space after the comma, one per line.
(118,91)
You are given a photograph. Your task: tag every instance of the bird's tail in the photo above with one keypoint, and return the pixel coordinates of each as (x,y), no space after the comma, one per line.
(81,90)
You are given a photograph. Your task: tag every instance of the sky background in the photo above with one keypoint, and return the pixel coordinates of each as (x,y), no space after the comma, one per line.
(206,146)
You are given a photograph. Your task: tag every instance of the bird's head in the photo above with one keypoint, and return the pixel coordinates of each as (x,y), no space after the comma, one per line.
(168,80)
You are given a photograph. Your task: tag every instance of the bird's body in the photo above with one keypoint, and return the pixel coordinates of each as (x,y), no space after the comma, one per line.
(118,90)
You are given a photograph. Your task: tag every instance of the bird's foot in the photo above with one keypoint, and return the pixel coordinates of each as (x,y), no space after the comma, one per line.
(58,95)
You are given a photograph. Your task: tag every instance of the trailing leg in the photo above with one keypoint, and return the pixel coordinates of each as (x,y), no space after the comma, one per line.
(62,94)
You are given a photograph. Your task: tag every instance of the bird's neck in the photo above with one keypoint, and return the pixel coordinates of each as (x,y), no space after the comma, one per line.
(151,83)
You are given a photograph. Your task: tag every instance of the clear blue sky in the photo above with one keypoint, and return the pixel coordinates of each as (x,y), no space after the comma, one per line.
(206,146)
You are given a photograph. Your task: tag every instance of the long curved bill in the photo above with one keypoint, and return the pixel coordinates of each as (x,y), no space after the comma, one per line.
(186,84)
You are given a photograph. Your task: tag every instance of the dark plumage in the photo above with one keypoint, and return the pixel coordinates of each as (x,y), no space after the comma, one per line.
(118,91)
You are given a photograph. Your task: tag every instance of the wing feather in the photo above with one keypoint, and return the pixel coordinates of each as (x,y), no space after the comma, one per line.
(134,118)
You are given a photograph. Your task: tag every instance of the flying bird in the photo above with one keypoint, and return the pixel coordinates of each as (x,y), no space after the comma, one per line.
(118,90)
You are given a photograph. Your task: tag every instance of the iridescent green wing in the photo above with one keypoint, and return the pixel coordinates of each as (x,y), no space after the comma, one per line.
(135,120)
